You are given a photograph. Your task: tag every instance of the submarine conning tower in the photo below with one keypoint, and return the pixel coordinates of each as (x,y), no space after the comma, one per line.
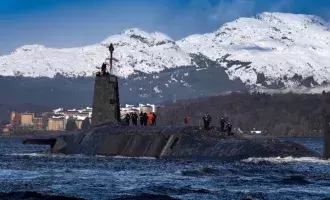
(106,107)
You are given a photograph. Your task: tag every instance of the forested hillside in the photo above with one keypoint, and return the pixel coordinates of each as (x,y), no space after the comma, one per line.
(278,114)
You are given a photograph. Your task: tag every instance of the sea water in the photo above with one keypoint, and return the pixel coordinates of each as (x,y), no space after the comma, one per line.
(33,168)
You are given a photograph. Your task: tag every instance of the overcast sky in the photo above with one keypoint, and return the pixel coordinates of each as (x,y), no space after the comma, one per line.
(70,23)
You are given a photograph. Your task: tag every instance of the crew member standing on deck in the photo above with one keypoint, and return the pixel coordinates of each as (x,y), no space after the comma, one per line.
(229,126)
(127,118)
(141,118)
(145,119)
(134,119)
(103,69)
(154,119)
(222,124)
(207,121)
(150,119)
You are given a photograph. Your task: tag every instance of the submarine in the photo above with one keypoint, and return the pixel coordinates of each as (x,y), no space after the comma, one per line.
(108,137)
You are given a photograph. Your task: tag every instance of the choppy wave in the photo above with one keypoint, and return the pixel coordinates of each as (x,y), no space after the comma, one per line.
(125,157)
(35,155)
(72,156)
(34,195)
(11,174)
(47,155)
(145,196)
(205,171)
(180,190)
(298,180)
(287,160)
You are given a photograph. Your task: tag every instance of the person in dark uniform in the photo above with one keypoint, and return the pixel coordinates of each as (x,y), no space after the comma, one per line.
(134,119)
(127,118)
(222,124)
(145,119)
(141,118)
(104,69)
(207,121)
(154,119)
(229,126)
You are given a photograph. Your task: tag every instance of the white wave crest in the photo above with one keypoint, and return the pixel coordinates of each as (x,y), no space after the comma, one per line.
(30,154)
(74,156)
(125,157)
(45,155)
(287,160)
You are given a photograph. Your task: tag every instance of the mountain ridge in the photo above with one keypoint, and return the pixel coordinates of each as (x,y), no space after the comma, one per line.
(265,39)
(271,50)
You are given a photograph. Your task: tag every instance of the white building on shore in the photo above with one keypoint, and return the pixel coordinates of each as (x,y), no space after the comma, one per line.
(81,114)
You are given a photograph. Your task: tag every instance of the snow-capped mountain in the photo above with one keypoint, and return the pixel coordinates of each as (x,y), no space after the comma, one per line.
(270,49)
(135,50)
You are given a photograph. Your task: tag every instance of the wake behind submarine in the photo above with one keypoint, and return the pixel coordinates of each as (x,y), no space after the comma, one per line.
(108,137)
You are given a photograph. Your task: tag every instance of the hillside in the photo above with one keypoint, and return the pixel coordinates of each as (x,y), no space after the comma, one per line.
(279,114)
(271,49)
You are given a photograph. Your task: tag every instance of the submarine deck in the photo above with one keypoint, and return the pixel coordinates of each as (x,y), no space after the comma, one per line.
(165,141)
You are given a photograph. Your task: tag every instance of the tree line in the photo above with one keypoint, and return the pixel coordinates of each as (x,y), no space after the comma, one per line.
(287,114)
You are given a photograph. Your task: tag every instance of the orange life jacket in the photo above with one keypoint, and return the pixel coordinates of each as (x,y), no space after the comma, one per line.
(150,117)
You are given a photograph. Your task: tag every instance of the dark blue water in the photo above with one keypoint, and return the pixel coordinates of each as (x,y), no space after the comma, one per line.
(29,168)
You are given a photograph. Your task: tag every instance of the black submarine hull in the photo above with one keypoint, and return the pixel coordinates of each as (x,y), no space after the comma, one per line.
(169,142)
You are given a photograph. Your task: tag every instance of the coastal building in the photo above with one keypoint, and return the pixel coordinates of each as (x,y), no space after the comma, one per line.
(55,120)
(73,113)
(56,124)
(38,123)
(59,110)
(128,109)
(257,132)
(70,113)
(6,129)
(79,124)
(15,118)
(27,119)
(80,116)
(45,117)
(146,109)
(12,116)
